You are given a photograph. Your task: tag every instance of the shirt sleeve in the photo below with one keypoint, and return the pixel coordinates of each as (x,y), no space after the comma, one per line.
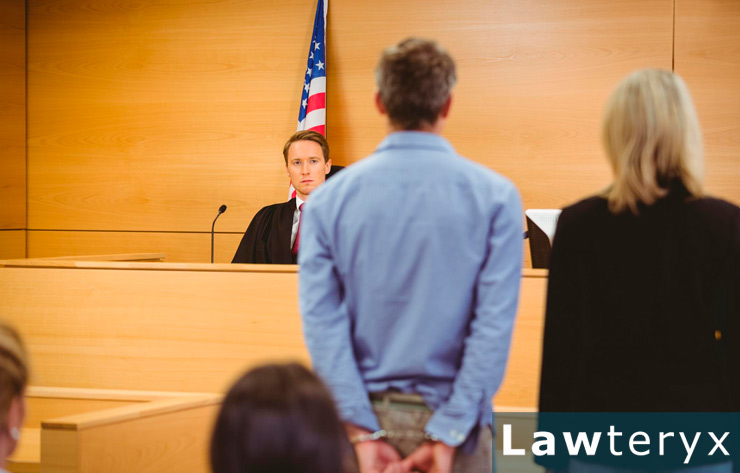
(487,344)
(326,323)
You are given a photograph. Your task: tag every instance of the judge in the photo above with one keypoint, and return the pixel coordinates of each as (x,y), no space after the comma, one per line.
(273,235)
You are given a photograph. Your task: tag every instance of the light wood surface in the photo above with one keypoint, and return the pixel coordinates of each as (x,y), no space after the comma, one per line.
(166,436)
(116,431)
(61,452)
(707,57)
(142,119)
(12,115)
(179,247)
(132,411)
(27,456)
(533,78)
(12,244)
(190,327)
(151,329)
(171,442)
(42,408)
(521,386)
(149,116)
(141,257)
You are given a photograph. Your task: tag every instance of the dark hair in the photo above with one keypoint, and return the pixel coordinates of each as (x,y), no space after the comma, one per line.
(280,419)
(307,135)
(414,79)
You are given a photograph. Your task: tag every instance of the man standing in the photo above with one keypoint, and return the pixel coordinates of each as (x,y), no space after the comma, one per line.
(410,270)
(271,237)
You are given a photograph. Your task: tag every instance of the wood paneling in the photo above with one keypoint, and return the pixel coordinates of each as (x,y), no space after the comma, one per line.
(533,78)
(179,247)
(708,58)
(12,114)
(25,458)
(12,244)
(521,385)
(149,115)
(190,328)
(166,435)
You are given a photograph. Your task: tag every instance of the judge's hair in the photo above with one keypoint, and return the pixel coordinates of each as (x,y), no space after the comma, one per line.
(307,135)
(652,139)
(13,369)
(279,418)
(414,80)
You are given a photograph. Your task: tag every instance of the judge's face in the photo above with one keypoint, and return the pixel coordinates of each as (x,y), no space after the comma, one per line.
(307,168)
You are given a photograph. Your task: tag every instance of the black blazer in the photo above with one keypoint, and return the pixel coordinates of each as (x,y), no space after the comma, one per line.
(635,307)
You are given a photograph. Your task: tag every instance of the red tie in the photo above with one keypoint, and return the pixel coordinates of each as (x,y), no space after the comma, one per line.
(298,232)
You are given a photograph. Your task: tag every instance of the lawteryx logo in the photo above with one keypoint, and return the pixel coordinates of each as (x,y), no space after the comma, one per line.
(637,443)
(647,441)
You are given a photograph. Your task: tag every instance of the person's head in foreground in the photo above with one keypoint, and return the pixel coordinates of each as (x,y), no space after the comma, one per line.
(415,80)
(652,139)
(280,418)
(13,380)
(307,161)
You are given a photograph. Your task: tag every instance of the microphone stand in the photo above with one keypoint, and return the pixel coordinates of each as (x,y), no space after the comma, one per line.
(221,210)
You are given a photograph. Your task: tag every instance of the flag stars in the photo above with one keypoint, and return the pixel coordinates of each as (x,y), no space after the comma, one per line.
(305,103)
(320,65)
(308,72)
(306,86)
(311,55)
(317,45)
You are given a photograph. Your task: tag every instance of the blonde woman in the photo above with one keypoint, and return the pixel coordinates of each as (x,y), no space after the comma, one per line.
(13,380)
(642,308)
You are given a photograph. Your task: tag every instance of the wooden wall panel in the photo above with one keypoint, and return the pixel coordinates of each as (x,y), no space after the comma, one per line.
(140,326)
(12,114)
(533,78)
(147,116)
(179,247)
(708,58)
(12,244)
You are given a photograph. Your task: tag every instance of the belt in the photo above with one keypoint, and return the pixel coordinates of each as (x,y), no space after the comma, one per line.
(395,398)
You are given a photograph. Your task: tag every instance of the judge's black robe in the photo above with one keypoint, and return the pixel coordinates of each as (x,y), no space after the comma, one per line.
(267,240)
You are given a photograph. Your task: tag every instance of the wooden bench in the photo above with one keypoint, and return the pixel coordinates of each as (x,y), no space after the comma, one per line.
(74,430)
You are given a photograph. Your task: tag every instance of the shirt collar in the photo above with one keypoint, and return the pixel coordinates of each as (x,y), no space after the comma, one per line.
(298,202)
(415,139)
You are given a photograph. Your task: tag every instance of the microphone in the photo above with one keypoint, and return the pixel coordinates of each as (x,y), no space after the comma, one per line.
(221,210)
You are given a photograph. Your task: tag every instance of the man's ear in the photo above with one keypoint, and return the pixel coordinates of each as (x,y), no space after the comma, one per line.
(379,104)
(327,165)
(446,107)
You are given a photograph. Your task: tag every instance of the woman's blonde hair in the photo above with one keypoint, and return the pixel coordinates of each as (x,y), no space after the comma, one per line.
(13,368)
(652,138)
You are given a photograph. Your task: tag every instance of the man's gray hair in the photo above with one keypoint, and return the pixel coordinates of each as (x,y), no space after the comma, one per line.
(414,79)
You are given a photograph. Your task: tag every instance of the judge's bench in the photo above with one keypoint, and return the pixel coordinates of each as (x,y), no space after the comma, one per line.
(130,355)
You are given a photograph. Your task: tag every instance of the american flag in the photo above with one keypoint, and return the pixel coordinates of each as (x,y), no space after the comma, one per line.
(312,110)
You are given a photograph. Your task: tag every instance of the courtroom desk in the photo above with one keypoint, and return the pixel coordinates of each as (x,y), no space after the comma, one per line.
(520,389)
(151,326)
(191,327)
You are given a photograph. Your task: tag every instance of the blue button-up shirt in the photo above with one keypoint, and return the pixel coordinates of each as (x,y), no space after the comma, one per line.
(410,264)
